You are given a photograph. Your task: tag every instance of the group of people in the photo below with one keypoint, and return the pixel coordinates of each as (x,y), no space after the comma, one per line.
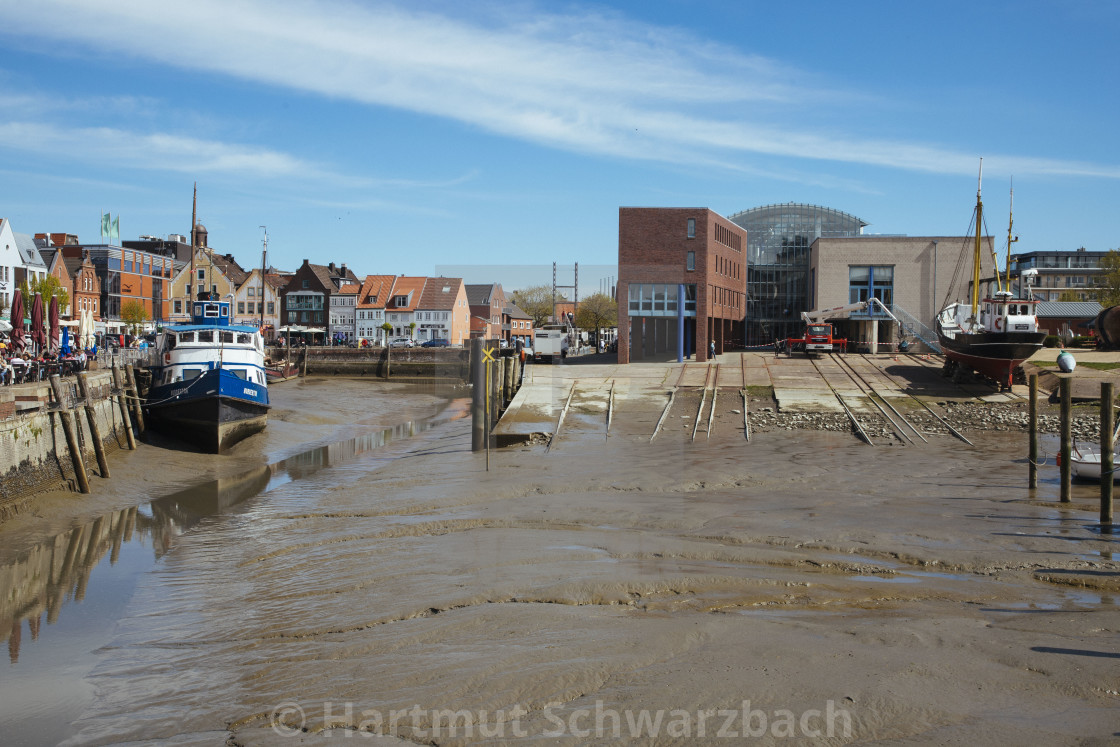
(16,368)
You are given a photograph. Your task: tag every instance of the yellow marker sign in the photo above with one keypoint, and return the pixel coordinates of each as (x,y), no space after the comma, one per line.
(488,355)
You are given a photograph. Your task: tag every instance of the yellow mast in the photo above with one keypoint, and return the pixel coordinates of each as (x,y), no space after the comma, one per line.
(976,250)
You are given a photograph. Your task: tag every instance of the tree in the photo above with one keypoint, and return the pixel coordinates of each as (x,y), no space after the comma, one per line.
(387,328)
(1108,292)
(134,314)
(536,301)
(596,312)
(1069,296)
(411,329)
(46,287)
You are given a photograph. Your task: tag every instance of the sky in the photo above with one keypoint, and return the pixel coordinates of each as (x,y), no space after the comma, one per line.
(397,137)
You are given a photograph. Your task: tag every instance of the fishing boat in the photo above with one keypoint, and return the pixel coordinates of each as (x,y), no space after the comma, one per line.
(991,333)
(209,386)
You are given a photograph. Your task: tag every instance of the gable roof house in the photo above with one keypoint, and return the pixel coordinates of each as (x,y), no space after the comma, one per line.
(486,302)
(369,312)
(402,303)
(443,312)
(305,301)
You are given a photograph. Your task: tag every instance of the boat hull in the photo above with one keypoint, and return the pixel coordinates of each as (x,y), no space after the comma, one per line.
(213,411)
(994,354)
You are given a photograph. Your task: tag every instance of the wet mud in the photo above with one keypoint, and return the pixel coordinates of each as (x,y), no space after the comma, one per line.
(924,592)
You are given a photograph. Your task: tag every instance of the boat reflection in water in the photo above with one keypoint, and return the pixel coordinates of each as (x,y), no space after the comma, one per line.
(58,572)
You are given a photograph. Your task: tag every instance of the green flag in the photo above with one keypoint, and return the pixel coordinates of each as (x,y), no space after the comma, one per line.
(105,226)
(116,233)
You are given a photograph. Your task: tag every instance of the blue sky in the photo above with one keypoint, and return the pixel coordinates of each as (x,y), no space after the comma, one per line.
(400,136)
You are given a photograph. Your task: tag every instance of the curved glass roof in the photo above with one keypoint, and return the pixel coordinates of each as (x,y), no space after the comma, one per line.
(777,232)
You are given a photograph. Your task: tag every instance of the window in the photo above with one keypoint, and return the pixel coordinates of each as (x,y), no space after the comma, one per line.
(252,292)
(241,307)
(178,306)
(690,261)
(201,275)
(865,282)
(306,283)
(692,228)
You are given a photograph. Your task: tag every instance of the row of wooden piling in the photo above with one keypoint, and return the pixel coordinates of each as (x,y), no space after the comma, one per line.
(494,379)
(128,399)
(1065,448)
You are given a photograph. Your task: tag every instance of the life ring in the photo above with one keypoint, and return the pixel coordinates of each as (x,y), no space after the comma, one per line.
(167,358)
(999,322)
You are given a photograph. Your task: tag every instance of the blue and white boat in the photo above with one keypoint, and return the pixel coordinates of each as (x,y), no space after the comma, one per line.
(209,387)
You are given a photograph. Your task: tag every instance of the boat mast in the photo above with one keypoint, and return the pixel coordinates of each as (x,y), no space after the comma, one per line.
(1011,240)
(194,222)
(264,263)
(976,249)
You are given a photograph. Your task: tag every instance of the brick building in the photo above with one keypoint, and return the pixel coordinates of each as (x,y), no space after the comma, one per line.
(681,283)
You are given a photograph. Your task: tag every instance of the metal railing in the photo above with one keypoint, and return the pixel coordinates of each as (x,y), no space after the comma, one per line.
(912,325)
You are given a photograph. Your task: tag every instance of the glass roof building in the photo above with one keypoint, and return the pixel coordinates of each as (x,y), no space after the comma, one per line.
(778,241)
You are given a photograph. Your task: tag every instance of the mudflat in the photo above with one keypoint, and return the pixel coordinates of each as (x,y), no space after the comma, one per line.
(800,585)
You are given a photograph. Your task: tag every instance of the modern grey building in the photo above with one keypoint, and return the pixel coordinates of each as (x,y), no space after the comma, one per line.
(1052,274)
(778,241)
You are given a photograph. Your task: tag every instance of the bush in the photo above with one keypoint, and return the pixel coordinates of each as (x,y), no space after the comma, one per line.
(1082,342)
(1051,341)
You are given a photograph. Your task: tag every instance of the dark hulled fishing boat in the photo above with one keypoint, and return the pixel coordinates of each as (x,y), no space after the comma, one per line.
(991,333)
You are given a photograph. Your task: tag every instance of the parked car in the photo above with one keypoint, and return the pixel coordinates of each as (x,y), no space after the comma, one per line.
(402,342)
(436,344)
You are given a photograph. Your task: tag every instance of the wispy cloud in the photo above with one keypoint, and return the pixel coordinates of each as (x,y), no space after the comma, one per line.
(593,83)
(148,151)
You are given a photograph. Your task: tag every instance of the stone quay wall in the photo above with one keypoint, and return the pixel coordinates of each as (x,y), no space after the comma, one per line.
(34,456)
(399,363)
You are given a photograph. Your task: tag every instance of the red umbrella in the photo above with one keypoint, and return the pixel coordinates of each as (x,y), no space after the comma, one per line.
(38,334)
(16,335)
(52,319)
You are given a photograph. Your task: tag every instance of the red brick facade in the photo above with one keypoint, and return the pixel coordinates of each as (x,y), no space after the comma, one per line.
(653,248)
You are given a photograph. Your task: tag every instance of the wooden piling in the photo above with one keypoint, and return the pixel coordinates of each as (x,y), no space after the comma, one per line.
(495,390)
(134,396)
(71,436)
(1066,446)
(125,419)
(1032,452)
(507,379)
(478,395)
(1107,433)
(94,429)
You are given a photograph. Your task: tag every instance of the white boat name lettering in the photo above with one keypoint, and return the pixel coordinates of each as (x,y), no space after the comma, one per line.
(249,392)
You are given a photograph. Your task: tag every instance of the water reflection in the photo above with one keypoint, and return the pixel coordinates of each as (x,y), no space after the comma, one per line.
(57,572)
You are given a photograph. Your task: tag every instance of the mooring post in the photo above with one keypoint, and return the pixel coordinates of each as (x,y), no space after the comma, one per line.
(1107,431)
(507,379)
(1032,455)
(126,420)
(134,393)
(478,397)
(94,429)
(71,437)
(495,387)
(1065,386)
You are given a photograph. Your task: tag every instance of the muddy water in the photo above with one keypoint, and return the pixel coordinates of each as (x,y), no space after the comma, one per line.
(64,596)
(923,591)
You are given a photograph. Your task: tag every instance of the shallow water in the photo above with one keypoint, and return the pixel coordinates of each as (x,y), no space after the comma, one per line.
(65,596)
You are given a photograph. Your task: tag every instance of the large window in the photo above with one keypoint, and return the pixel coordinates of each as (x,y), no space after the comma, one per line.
(655,299)
(871,281)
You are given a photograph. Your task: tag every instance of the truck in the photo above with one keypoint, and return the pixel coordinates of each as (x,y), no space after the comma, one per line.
(818,333)
(550,343)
